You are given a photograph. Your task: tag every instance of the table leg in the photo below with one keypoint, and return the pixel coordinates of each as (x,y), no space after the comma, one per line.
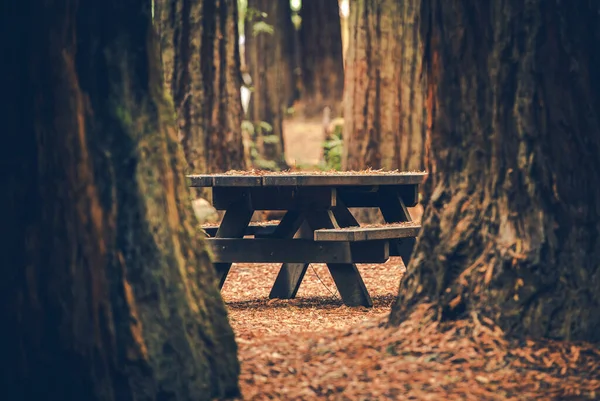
(346,277)
(290,274)
(394,210)
(234,224)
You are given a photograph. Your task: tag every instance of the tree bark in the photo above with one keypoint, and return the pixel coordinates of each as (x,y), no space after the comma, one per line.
(222,79)
(510,231)
(322,65)
(106,291)
(270,60)
(201,61)
(383,95)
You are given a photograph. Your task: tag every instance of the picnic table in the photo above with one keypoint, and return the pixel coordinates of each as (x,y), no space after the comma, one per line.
(320,203)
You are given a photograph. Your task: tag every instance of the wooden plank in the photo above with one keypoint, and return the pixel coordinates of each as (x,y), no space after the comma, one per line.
(200,180)
(237,181)
(404,248)
(368,233)
(234,250)
(288,198)
(259,229)
(353,197)
(343,179)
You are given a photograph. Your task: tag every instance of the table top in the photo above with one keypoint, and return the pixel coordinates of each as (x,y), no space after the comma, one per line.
(275,179)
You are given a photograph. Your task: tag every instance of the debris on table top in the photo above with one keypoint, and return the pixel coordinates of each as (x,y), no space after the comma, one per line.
(257,178)
(369,171)
(254,223)
(385,225)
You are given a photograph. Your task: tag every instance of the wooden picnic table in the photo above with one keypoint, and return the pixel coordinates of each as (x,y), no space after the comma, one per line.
(321,202)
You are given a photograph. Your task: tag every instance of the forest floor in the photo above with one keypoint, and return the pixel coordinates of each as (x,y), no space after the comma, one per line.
(314,347)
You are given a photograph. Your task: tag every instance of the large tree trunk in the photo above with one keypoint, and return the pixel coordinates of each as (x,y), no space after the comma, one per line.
(511,228)
(201,59)
(270,60)
(106,291)
(321,61)
(383,95)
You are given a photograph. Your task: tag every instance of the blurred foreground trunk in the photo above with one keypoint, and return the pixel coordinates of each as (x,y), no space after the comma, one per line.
(107,293)
(510,231)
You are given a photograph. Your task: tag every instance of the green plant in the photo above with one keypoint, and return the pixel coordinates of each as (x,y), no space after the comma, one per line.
(333,149)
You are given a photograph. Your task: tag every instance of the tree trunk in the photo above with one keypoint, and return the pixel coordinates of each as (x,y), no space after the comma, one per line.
(270,57)
(383,101)
(510,231)
(222,80)
(321,61)
(180,29)
(106,291)
(201,61)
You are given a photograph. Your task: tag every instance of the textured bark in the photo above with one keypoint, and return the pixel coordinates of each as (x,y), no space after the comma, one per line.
(180,31)
(269,58)
(201,63)
(383,93)
(222,80)
(322,66)
(511,227)
(106,291)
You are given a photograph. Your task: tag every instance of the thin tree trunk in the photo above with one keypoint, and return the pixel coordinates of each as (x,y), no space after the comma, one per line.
(270,57)
(180,29)
(510,231)
(383,95)
(321,61)
(222,80)
(106,291)
(201,61)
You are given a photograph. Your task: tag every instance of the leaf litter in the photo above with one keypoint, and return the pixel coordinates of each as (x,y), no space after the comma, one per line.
(314,347)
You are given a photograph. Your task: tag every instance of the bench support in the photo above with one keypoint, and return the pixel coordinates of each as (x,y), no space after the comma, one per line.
(290,275)
(234,225)
(346,277)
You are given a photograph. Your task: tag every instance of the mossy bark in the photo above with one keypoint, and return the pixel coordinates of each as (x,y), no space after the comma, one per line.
(201,63)
(383,93)
(510,230)
(270,60)
(322,65)
(106,292)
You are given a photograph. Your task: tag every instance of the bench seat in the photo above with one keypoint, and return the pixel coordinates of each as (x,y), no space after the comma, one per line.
(257,229)
(369,233)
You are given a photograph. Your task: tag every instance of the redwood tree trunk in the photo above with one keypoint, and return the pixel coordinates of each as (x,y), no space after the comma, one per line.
(321,61)
(222,80)
(270,60)
(511,228)
(383,95)
(201,60)
(106,291)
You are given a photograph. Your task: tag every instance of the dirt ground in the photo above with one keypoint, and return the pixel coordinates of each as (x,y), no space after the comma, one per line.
(314,347)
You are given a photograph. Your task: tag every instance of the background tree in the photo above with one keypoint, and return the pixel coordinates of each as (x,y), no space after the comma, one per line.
(106,292)
(269,50)
(511,228)
(200,53)
(322,65)
(383,95)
